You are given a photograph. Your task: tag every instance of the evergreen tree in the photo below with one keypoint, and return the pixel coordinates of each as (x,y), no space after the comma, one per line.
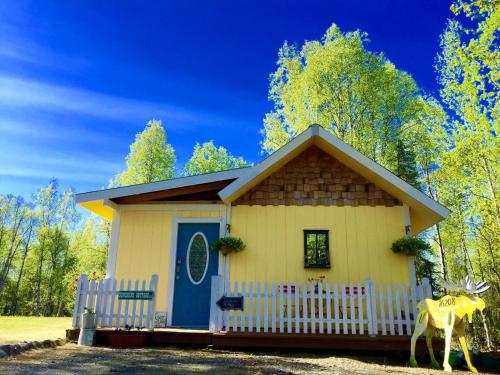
(406,165)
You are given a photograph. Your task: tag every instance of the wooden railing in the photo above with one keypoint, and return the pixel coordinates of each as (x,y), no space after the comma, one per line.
(318,308)
(102,298)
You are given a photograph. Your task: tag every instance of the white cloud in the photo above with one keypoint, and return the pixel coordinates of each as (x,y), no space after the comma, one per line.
(18,93)
(78,167)
(45,131)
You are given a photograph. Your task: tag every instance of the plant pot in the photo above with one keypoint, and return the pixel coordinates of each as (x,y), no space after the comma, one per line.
(127,340)
(88,320)
(226,250)
(411,252)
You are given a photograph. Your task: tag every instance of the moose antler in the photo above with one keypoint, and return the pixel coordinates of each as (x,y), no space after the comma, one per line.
(466,286)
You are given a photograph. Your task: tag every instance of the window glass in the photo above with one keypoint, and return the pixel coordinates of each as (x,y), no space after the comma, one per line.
(316,253)
(197,261)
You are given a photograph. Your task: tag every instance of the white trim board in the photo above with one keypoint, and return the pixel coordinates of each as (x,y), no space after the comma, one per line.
(171,207)
(113,244)
(159,185)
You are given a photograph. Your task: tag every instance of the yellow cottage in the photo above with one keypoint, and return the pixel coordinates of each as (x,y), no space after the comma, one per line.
(316,209)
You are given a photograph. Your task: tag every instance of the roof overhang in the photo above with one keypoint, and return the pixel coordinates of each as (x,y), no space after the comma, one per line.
(103,202)
(424,212)
(231,184)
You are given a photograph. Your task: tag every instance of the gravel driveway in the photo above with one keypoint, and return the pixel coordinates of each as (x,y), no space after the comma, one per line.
(70,359)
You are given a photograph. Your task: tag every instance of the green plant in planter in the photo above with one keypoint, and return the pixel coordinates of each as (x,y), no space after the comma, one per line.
(409,245)
(227,245)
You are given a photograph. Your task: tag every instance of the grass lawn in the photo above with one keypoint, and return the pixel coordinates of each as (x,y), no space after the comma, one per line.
(14,329)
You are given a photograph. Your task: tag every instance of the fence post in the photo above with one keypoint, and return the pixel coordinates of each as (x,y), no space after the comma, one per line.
(369,312)
(215,293)
(426,288)
(152,303)
(78,300)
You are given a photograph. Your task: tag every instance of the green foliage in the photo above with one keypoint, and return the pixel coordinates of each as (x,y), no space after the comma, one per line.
(356,94)
(227,245)
(208,158)
(150,159)
(406,165)
(42,251)
(410,245)
(464,173)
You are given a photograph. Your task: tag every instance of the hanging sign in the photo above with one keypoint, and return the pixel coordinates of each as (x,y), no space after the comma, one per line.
(136,294)
(230,303)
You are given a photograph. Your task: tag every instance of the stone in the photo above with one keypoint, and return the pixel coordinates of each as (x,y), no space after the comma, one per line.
(6,349)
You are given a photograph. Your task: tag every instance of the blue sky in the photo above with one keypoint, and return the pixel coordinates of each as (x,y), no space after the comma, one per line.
(78,79)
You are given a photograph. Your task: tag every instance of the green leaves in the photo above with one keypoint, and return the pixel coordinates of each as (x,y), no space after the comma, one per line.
(356,94)
(227,245)
(410,246)
(150,159)
(208,158)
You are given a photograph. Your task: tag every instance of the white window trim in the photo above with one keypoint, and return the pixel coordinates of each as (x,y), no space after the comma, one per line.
(113,244)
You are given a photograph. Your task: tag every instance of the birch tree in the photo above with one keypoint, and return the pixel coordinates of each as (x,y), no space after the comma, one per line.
(208,158)
(150,159)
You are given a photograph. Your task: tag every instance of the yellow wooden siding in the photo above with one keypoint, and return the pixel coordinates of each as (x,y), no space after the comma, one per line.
(360,241)
(214,213)
(144,249)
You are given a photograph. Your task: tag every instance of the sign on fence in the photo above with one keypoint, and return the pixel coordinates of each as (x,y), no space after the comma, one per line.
(230,303)
(304,308)
(117,303)
(135,294)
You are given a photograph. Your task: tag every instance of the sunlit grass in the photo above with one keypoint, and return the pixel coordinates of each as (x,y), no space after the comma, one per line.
(14,329)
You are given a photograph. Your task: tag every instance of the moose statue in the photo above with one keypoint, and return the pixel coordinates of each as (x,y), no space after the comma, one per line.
(449,314)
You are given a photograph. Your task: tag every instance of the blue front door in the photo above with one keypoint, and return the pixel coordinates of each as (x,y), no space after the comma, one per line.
(195,265)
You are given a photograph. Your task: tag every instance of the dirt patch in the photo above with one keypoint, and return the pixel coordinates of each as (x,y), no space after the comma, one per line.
(70,359)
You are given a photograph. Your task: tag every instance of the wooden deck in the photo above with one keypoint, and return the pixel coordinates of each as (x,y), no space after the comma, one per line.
(272,341)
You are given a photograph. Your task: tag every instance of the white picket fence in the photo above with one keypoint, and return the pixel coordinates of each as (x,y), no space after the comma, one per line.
(318,308)
(102,298)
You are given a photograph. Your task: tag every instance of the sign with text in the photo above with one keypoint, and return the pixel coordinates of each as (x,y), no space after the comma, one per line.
(160,319)
(136,294)
(230,303)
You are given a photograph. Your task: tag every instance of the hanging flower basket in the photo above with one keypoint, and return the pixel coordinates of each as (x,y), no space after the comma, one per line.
(410,246)
(228,245)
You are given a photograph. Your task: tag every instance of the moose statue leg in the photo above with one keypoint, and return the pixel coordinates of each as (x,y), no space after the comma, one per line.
(460,331)
(422,320)
(428,340)
(448,331)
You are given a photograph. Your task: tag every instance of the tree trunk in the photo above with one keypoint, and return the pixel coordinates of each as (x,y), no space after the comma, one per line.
(13,308)
(38,282)
(62,290)
(442,260)
(486,331)
(492,189)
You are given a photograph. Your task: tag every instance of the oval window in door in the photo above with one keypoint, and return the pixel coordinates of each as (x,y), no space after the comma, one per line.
(197,258)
